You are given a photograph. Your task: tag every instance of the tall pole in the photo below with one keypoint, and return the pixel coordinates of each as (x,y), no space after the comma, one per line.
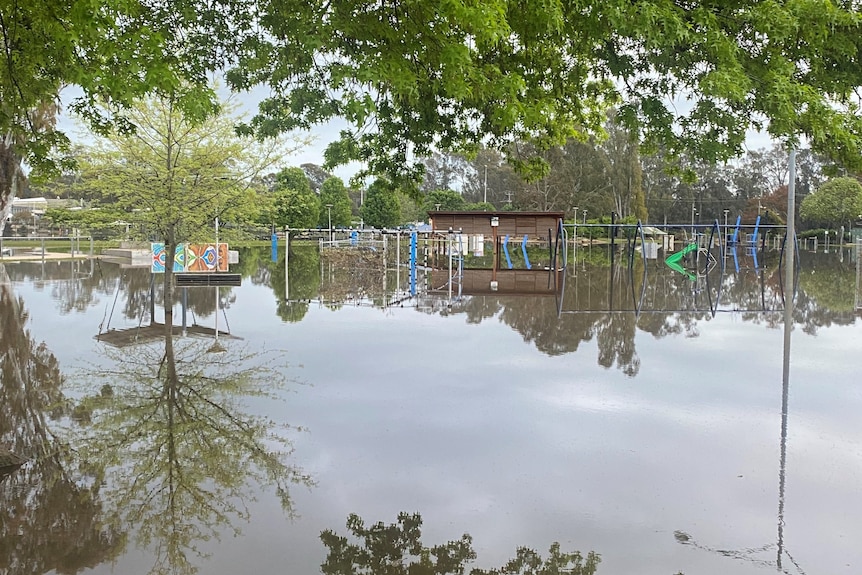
(216,238)
(789,274)
(449,246)
(216,313)
(485,187)
(329,216)
(575,233)
(286,263)
(790,242)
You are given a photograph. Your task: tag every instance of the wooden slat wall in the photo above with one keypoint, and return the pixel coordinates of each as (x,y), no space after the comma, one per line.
(534,225)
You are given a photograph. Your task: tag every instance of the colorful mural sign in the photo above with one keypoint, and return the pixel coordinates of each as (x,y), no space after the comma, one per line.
(203,257)
(160,257)
(192,258)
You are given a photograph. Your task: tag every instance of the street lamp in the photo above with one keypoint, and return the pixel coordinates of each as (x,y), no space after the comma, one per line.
(726,231)
(329,216)
(575,228)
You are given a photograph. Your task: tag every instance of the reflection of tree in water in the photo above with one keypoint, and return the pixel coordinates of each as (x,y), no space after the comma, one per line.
(827,290)
(351,274)
(179,454)
(74,284)
(602,305)
(256,265)
(51,517)
(397,549)
(304,278)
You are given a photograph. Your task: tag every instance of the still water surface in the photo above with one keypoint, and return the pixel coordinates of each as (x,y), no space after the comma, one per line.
(637,415)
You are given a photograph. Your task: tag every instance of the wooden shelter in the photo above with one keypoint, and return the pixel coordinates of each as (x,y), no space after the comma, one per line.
(518,227)
(535,225)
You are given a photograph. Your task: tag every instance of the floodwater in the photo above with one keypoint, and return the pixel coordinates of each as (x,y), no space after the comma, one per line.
(627,409)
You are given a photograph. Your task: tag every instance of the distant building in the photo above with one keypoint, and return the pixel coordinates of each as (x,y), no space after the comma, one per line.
(33,205)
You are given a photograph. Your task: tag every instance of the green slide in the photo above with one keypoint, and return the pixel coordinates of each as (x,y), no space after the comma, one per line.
(672,261)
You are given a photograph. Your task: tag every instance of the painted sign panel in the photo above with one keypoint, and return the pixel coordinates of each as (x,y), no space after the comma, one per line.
(191,258)
(160,257)
(203,257)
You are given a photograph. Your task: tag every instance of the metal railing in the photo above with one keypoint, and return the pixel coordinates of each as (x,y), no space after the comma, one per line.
(8,250)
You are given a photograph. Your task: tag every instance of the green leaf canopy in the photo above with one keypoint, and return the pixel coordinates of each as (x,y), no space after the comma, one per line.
(412,76)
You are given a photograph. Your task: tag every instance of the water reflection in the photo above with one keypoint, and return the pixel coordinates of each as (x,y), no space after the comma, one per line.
(602,298)
(168,431)
(52,515)
(755,555)
(397,549)
(157,442)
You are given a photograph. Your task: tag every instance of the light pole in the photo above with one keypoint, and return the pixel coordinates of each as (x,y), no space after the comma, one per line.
(585,217)
(575,228)
(329,217)
(726,211)
(485,187)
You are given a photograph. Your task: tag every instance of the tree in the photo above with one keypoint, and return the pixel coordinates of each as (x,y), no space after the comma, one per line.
(491,179)
(443,172)
(178,174)
(455,75)
(296,204)
(333,192)
(622,171)
(446,200)
(835,203)
(113,53)
(316,176)
(381,208)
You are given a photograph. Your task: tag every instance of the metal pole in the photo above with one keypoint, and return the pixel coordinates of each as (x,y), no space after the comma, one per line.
(575,234)
(398,265)
(286,262)
(449,245)
(485,187)
(216,239)
(216,315)
(790,244)
(788,328)
(329,215)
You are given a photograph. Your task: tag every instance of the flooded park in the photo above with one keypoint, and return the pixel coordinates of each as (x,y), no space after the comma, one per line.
(668,419)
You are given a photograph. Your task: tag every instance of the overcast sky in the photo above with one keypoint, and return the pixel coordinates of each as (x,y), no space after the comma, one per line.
(323,134)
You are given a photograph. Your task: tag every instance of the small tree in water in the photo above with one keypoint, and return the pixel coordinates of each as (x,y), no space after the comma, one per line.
(177,173)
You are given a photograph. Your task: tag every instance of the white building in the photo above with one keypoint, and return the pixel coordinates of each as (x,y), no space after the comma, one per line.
(33,205)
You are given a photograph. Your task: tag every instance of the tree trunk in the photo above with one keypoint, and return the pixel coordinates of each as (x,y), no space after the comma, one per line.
(170,250)
(10,176)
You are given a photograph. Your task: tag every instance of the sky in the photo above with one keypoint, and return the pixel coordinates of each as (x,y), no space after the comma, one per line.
(321,135)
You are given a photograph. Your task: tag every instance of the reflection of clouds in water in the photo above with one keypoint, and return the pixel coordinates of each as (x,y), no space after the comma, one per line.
(462,422)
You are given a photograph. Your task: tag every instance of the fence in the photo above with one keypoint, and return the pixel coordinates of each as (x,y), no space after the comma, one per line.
(33,247)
